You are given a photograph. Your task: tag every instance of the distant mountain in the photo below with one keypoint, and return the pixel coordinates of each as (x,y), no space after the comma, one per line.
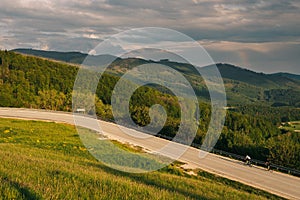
(243,86)
(288,75)
(69,57)
(279,80)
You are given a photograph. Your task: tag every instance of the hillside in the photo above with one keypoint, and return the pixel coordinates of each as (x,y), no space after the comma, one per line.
(33,82)
(262,80)
(243,86)
(288,75)
(44,160)
(71,57)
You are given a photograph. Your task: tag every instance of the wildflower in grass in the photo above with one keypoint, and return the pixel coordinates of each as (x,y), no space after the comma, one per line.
(6,131)
(82,149)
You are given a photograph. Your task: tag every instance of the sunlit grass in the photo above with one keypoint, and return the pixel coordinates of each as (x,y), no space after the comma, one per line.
(43,160)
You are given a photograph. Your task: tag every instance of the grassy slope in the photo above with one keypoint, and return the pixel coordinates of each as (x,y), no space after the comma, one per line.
(43,160)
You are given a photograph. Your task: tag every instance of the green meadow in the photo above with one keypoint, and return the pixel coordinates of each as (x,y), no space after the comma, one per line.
(46,160)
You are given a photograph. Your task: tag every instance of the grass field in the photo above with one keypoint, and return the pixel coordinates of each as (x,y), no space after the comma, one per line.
(44,160)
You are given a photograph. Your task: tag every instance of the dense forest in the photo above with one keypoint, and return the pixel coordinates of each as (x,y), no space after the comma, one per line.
(32,82)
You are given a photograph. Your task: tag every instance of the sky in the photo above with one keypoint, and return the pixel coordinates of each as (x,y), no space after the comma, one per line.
(261,35)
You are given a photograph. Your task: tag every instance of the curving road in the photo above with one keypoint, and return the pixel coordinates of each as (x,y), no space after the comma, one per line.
(278,183)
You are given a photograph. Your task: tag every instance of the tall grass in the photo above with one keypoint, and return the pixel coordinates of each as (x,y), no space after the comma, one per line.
(44,160)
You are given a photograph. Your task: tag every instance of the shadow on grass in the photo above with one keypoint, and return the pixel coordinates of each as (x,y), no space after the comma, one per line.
(24,192)
(238,186)
(159,183)
(145,179)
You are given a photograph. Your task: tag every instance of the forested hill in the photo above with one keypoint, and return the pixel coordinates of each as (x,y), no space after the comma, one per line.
(242,85)
(259,79)
(27,81)
(71,57)
(288,75)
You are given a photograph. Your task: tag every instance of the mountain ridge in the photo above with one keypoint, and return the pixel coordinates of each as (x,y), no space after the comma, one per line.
(77,57)
(243,86)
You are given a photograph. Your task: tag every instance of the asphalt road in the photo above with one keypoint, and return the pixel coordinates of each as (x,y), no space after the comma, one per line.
(278,183)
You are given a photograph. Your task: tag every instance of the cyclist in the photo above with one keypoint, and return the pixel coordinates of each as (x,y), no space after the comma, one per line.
(248,160)
(268,165)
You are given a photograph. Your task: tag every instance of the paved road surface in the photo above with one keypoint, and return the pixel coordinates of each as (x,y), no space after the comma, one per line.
(274,182)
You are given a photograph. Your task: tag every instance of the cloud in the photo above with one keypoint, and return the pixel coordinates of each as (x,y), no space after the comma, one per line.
(78,25)
(262,57)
